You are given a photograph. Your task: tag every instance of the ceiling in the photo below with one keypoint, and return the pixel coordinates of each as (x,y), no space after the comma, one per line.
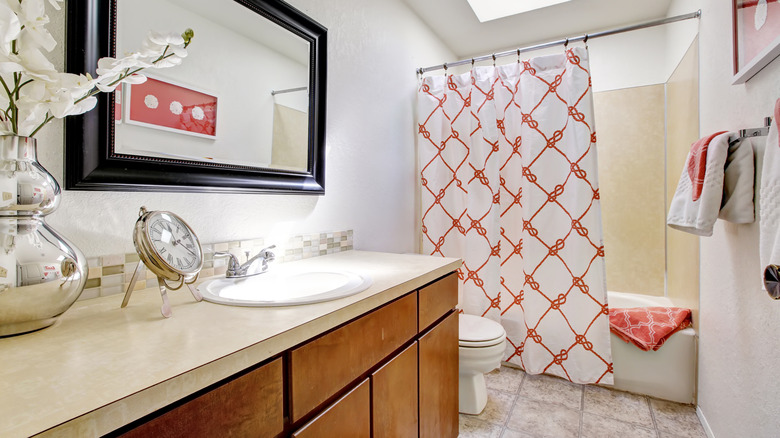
(455,23)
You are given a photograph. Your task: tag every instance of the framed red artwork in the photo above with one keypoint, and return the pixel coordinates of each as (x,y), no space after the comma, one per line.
(118,104)
(756,36)
(162,104)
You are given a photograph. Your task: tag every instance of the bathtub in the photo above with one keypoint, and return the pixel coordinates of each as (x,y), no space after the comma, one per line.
(669,373)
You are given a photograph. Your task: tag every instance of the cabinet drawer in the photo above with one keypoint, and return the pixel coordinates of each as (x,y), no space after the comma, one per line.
(349,416)
(321,368)
(250,405)
(436,299)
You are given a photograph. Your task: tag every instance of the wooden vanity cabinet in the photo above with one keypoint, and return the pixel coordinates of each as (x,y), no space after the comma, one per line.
(392,372)
(248,405)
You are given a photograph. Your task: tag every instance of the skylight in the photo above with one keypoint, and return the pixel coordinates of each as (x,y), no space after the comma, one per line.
(487,10)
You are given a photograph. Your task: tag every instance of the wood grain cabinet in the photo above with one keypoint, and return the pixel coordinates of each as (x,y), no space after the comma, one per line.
(394,398)
(248,405)
(392,372)
(348,417)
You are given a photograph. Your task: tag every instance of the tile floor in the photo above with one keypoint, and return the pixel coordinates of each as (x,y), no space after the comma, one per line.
(525,406)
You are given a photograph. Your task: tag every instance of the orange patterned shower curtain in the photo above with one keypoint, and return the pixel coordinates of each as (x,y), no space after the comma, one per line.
(509,184)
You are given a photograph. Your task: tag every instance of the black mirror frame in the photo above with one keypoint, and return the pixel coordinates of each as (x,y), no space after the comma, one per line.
(92,164)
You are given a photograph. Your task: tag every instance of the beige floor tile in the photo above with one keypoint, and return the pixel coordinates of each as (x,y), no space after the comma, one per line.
(623,406)
(674,419)
(505,379)
(509,433)
(552,390)
(596,426)
(470,427)
(498,406)
(544,419)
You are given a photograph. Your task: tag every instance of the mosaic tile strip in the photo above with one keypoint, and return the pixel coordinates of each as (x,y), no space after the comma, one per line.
(111,274)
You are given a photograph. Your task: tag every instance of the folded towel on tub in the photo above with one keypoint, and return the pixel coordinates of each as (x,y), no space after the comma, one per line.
(717,182)
(648,327)
(769,201)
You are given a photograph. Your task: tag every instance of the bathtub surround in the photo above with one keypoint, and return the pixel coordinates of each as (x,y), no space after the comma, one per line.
(111,274)
(524,216)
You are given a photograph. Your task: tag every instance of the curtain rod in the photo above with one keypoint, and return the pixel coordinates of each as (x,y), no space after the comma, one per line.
(287,90)
(584,37)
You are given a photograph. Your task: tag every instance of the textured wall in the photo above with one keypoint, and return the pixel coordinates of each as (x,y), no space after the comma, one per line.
(739,347)
(370,177)
(631,182)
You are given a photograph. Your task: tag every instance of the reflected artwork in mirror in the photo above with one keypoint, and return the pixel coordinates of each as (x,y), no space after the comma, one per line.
(244,112)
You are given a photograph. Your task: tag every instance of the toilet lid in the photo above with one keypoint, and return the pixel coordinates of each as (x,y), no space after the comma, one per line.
(478,331)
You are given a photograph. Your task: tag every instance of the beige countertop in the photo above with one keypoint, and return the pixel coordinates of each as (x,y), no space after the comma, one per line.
(100,367)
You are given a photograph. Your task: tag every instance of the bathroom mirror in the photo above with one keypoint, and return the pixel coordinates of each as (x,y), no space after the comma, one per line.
(244,112)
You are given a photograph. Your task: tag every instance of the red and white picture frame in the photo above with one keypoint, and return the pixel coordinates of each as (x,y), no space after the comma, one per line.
(170,106)
(756,28)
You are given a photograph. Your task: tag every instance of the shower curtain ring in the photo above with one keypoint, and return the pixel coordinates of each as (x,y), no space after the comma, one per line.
(472,62)
(586,39)
(494,60)
(518,56)
(566,43)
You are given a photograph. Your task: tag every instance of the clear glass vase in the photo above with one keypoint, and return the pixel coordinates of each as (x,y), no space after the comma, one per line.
(41,273)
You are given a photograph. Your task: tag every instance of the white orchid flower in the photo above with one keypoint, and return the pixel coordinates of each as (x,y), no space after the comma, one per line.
(61,104)
(10,27)
(109,65)
(37,66)
(77,85)
(33,92)
(33,17)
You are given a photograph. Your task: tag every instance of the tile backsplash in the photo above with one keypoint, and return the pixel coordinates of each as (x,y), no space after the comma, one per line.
(111,274)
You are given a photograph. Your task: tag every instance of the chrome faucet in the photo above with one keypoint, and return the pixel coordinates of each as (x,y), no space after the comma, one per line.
(253,266)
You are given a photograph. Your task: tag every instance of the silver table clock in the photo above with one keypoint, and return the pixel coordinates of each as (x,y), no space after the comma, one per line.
(170,249)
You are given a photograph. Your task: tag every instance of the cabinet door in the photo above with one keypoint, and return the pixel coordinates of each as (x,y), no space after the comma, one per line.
(250,405)
(347,417)
(439,379)
(321,368)
(394,396)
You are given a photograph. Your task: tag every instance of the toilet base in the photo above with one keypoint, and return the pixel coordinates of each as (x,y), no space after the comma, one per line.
(472,396)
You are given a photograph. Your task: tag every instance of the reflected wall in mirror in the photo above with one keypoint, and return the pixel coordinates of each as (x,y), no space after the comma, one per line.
(244,112)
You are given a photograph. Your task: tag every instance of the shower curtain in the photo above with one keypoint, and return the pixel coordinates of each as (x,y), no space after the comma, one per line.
(509,184)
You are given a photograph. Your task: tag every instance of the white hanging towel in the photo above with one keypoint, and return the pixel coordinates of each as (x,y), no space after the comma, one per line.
(717,181)
(769,210)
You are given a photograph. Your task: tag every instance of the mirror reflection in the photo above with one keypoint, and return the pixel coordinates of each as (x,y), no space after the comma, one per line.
(239,98)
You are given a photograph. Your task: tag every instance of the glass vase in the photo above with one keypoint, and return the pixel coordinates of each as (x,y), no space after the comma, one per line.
(41,273)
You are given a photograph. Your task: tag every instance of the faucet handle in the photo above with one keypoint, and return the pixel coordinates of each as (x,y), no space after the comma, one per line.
(268,255)
(232,262)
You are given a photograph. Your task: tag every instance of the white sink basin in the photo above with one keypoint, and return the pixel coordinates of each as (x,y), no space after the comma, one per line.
(284,288)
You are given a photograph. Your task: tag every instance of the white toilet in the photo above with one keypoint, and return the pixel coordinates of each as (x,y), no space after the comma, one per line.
(481,349)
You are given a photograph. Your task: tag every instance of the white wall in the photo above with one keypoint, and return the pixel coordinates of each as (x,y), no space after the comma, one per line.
(370,176)
(739,346)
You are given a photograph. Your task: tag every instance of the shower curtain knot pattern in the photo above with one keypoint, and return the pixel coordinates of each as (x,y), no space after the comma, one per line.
(509,184)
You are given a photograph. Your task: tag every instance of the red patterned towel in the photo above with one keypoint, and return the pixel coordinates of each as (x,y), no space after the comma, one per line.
(697,164)
(648,327)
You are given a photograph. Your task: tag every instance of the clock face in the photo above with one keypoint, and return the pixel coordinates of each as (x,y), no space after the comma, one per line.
(174,242)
